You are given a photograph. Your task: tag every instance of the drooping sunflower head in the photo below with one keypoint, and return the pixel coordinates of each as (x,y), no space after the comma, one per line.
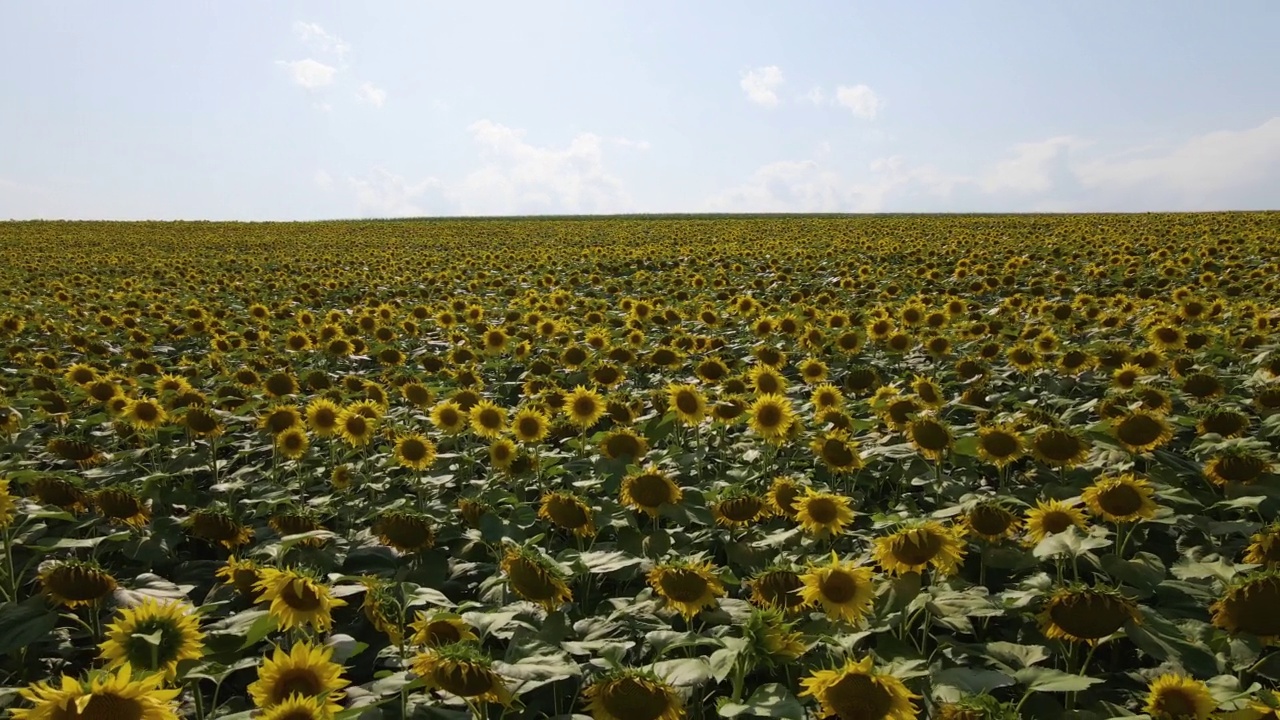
(440,628)
(405,530)
(649,490)
(534,578)
(1120,498)
(1059,447)
(990,521)
(243,575)
(823,514)
(73,583)
(1141,431)
(114,695)
(631,694)
(623,443)
(305,670)
(1240,465)
(202,422)
(738,508)
(568,512)
(1264,547)
(60,492)
(1223,421)
(777,587)
(1248,605)
(844,590)
(931,436)
(857,692)
(1178,697)
(917,546)
(1080,613)
(217,525)
(461,669)
(1050,517)
(83,454)
(122,505)
(297,598)
(773,639)
(131,638)
(686,586)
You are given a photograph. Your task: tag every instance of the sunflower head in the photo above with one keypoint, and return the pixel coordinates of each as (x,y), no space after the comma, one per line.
(122,505)
(297,598)
(60,492)
(568,512)
(623,443)
(216,525)
(1059,447)
(1141,431)
(415,451)
(461,669)
(73,583)
(1120,498)
(103,694)
(856,690)
(738,508)
(773,639)
(83,454)
(931,436)
(631,694)
(837,451)
(771,416)
(153,637)
(1050,517)
(990,521)
(305,670)
(783,493)
(687,586)
(1264,547)
(649,490)
(844,590)
(1248,604)
(917,546)
(1178,697)
(1080,613)
(1240,465)
(534,578)
(823,514)
(999,444)
(243,575)
(405,530)
(440,629)
(777,587)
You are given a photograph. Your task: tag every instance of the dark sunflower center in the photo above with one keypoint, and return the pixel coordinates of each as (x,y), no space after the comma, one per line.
(531,581)
(650,491)
(633,699)
(442,633)
(743,509)
(463,678)
(1120,500)
(413,449)
(303,681)
(529,427)
(1088,616)
(900,411)
(405,532)
(118,504)
(1139,430)
(1224,424)
(139,651)
(1055,521)
(990,520)
(297,714)
(683,585)
(103,705)
(301,596)
(490,419)
(779,588)
(768,383)
(1174,702)
(584,407)
(146,412)
(687,403)
(839,587)
(1241,468)
(999,444)
(785,496)
(622,444)
(1057,445)
(837,452)
(769,416)
(822,510)
(930,435)
(449,417)
(566,512)
(357,425)
(80,583)
(858,697)
(917,547)
(215,527)
(1252,607)
(201,421)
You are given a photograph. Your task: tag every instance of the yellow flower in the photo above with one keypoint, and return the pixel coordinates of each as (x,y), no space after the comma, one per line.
(440,629)
(113,696)
(298,707)
(1178,697)
(990,521)
(823,514)
(857,691)
(74,583)
(307,670)
(293,443)
(145,414)
(689,587)
(739,510)
(153,637)
(778,588)
(569,512)
(837,452)
(688,403)
(999,444)
(1052,517)
(415,451)
(1141,431)
(461,670)
(771,416)
(629,694)
(8,507)
(843,590)
(649,490)
(918,546)
(530,426)
(488,420)
(297,599)
(584,407)
(1248,606)
(1122,498)
(533,578)
(243,575)
(1086,614)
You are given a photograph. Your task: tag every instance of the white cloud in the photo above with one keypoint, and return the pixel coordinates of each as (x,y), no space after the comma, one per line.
(1031,169)
(315,37)
(308,73)
(816,96)
(382,193)
(323,180)
(859,99)
(375,96)
(761,85)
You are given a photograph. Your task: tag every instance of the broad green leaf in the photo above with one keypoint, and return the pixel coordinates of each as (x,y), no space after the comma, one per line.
(1039,679)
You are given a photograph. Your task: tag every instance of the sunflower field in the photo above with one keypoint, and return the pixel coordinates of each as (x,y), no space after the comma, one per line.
(642,468)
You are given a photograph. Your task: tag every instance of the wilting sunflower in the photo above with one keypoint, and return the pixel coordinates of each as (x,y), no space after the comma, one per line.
(145,414)
(535,579)
(530,425)
(322,416)
(463,670)
(1050,517)
(1264,547)
(584,407)
(73,583)
(1237,465)
(217,526)
(843,590)
(739,509)
(631,694)
(108,695)
(405,530)
(1058,447)
(623,443)
(1178,697)
(920,545)
(293,443)
(415,451)
(777,587)
(488,420)
(688,403)
(1080,613)
(449,417)
(179,638)
(122,505)
(1122,498)
(772,638)
(837,452)
(686,586)
(439,629)
(307,670)
(990,521)
(568,512)
(83,454)
(857,691)
(999,444)
(356,428)
(60,492)
(1141,431)
(783,493)
(823,514)
(771,417)
(1249,606)
(243,575)
(297,599)
(650,489)
(1226,422)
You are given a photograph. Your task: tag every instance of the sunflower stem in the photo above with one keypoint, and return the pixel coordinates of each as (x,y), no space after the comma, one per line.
(10,577)
(195,694)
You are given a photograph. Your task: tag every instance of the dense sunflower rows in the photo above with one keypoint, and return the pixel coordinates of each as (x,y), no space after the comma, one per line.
(641,469)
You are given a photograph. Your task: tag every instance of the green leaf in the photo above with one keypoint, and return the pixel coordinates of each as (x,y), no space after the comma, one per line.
(260,628)
(1017,657)
(599,561)
(770,701)
(25,623)
(952,684)
(684,672)
(1049,680)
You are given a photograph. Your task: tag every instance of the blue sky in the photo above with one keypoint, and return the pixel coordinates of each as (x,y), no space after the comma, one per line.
(307,110)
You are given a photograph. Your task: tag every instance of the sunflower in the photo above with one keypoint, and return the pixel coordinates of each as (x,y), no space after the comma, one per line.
(650,489)
(297,599)
(686,586)
(826,397)
(991,522)
(145,414)
(812,371)
(488,420)
(772,638)
(856,692)
(73,583)
(739,509)
(109,695)
(771,417)
(449,417)
(1058,447)
(60,492)
(1141,431)
(280,418)
(415,451)
(837,452)
(1264,547)
(243,575)
(121,505)
(688,403)
(293,443)
(356,428)
(305,670)
(823,514)
(322,416)
(340,478)
(843,590)
(569,512)
(999,444)
(1178,697)
(217,526)
(777,587)
(1237,465)
(1122,498)
(202,422)
(530,425)
(1226,422)
(298,707)
(440,628)
(918,546)
(83,454)
(765,380)
(630,694)
(1080,613)
(535,579)
(1248,605)
(783,493)
(623,443)
(583,406)
(1052,517)
(931,436)
(179,638)
(405,530)
(8,508)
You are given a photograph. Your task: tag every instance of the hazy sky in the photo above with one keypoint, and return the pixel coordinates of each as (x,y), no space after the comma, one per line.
(303,110)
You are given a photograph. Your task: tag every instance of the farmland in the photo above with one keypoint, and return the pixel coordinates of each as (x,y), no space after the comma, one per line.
(642,468)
